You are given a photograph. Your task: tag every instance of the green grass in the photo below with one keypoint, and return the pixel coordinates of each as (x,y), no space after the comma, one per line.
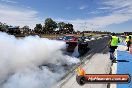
(51,36)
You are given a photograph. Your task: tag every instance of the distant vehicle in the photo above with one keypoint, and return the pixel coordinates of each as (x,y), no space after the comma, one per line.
(87,38)
(70,38)
(60,38)
(93,38)
(99,37)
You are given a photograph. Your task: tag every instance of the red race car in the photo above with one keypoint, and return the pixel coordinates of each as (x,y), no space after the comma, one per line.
(71,42)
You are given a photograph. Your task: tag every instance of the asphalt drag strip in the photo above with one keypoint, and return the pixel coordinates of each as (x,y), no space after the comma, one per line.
(96,61)
(98,64)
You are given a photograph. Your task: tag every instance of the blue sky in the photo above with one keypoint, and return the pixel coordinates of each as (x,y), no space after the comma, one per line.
(110,15)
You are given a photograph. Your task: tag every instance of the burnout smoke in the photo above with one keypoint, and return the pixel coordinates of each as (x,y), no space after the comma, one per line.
(20,60)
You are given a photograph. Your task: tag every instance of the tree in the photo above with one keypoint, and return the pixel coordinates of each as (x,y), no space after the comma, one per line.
(61,25)
(68,28)
(3,27)
(38,28)
(25,29)
(50,25)
(65,28)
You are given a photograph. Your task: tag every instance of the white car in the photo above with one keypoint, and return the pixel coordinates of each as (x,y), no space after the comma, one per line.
(92,38)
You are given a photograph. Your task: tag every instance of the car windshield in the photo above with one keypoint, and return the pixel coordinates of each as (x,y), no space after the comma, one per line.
(68,37)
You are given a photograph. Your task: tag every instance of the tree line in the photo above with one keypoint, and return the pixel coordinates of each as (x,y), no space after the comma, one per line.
(49,27)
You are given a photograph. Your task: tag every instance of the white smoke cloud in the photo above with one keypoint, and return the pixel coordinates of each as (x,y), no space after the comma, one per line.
(33,79)
(20,60)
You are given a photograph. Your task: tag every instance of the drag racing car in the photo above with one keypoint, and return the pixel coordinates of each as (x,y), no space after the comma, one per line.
(83,46)
(72,42)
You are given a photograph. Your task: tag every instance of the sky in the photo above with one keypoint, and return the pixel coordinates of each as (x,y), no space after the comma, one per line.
(104,15)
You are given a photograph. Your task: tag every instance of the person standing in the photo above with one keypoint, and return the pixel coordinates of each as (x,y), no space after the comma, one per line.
(128,38)
(113,45)
(129,43)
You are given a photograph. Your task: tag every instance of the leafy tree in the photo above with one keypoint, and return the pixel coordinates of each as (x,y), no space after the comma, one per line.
(65,28)
(3,27)
(68,28)
(50,25)
(25,29)
(61,25)
(38,28)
